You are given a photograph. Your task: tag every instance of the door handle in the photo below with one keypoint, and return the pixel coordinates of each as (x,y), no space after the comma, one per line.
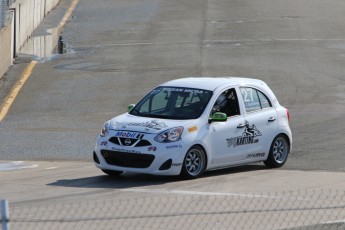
(271,119)
(241,125)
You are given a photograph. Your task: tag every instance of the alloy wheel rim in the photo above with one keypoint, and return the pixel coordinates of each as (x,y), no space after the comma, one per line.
(194,162)
(280,150)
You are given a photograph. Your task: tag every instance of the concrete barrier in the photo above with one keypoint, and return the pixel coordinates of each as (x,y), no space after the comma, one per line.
(27,15)
(6,47)
(43,46)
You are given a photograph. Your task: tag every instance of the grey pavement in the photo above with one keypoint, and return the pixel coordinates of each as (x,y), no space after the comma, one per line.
(118,51)
(75,195)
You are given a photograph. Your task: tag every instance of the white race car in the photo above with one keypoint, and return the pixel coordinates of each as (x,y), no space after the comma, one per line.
(190,125)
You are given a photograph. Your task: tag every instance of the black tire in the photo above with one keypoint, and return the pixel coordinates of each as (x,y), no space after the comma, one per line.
(112,173)
(194,163)
(280,149)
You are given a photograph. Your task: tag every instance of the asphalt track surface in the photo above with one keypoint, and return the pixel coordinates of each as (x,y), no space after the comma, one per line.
(119,50)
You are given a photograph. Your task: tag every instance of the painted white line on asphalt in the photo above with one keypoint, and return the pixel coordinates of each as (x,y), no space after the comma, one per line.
(334,222)
(224,41)
(14,165)
(277,39)
(184,192)
(50,168)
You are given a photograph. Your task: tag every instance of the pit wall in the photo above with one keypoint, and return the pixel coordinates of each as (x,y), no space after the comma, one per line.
(27,15)
(6,47)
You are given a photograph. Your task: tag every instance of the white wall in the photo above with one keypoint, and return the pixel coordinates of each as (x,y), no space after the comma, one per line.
(6,47)
(28,15)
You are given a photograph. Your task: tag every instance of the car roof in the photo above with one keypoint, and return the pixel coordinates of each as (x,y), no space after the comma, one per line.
(212,83)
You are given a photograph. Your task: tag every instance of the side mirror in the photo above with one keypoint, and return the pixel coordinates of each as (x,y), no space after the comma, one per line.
(130,107)
(219,117)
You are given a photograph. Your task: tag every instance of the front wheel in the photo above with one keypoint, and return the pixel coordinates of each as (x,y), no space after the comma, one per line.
(112,173)
(194,163)
(279,151)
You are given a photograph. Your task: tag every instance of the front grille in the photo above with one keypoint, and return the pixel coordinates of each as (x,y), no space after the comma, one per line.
(143,143)
(130,160)
(130,142)
(114,140)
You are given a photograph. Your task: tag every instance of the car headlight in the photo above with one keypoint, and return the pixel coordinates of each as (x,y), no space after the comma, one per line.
(104,131)
(170,135)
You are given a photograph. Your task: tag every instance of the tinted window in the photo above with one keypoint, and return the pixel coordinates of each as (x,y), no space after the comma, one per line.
(227,103)
(173,103)
(254,99)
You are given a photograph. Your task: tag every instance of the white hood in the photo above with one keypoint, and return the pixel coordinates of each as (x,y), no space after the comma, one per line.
(129,122)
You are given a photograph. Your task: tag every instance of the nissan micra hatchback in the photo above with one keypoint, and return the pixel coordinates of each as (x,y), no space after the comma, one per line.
(191,125)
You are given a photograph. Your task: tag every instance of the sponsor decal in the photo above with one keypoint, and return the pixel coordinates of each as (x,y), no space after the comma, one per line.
(248,137)
(193,129)
(179,90)
(153,124)
(176,164)
(104,143)
(174,147)
(125,150)
(255,155)
(125,134)
(128,142)
(152,148)
(119,125)
(182,90)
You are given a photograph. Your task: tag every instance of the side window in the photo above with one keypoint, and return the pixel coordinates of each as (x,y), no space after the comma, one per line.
(227,103)
(251,99)
(265,103)
(254,99)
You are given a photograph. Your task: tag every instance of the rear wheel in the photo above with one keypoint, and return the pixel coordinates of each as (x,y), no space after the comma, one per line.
(194,163)
(112,172)
(279,151)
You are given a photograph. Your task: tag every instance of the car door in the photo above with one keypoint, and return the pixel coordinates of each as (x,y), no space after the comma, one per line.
(261,123)
(224,135)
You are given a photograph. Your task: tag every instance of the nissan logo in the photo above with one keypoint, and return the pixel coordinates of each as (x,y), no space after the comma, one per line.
(128,142)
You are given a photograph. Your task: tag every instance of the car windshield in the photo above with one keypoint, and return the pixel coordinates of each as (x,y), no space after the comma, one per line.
(173,103)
